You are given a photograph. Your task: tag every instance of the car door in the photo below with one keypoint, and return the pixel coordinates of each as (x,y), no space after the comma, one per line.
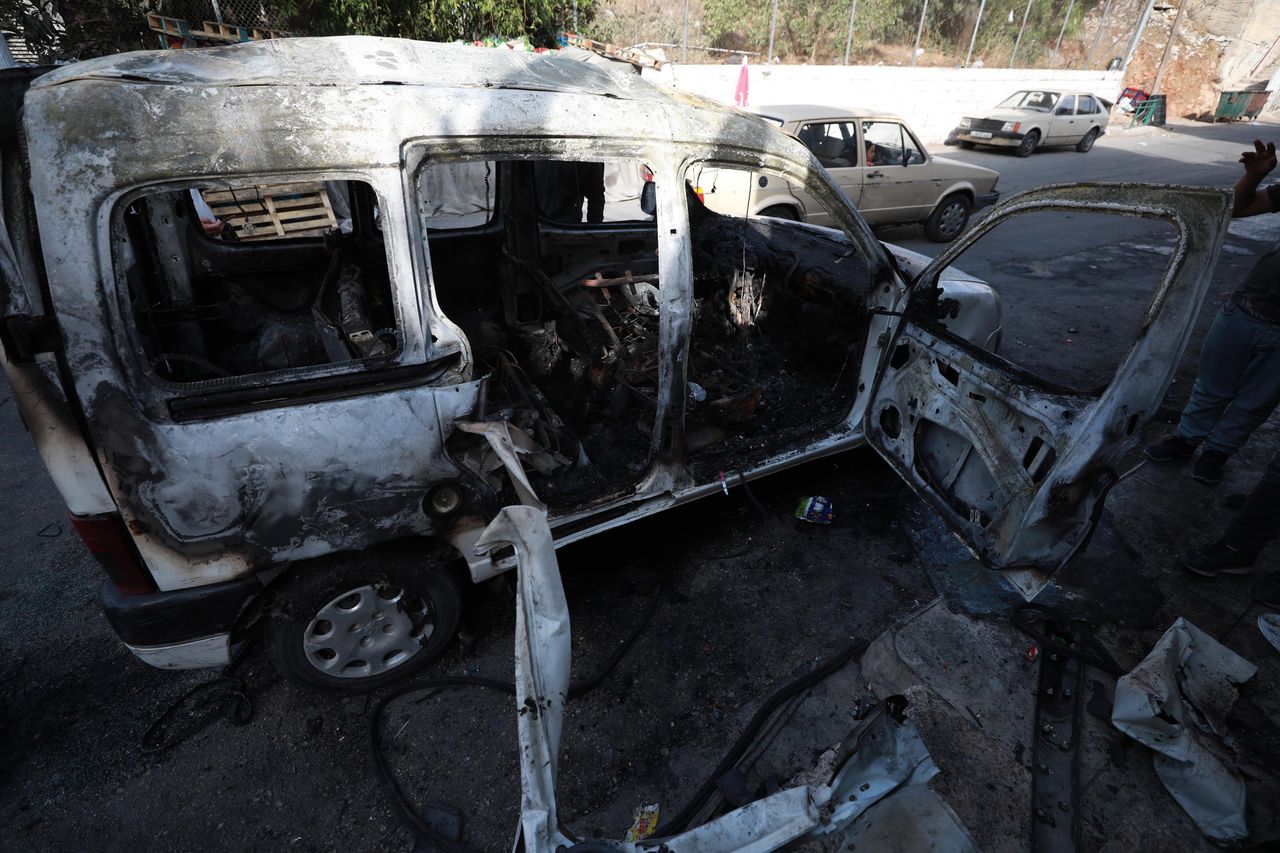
(1064,126)
(897,181)
(1017,466)
(834,143)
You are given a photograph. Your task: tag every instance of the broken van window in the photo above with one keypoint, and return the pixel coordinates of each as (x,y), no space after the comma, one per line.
(564,323)
(779,326)
(1075,286)
(240,278)
(456,195)
(572,192)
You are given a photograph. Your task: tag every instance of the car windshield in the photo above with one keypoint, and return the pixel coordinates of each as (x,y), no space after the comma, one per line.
(1043,101)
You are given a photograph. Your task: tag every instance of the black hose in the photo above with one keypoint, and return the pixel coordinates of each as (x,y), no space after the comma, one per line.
(400,803)
(228,697)
(761,716)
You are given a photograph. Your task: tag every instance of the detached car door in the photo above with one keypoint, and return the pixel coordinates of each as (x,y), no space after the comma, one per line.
(1016,465)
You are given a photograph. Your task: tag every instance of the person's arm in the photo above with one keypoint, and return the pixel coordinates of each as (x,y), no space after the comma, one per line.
(1258,163)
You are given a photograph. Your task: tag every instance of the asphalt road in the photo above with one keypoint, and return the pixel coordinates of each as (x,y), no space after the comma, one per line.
(1075,286)
(74,776)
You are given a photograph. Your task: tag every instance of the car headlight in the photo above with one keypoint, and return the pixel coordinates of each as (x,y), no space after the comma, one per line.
(1011,126)
(964,122)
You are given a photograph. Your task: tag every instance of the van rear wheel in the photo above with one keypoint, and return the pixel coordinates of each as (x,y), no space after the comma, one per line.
(356,630)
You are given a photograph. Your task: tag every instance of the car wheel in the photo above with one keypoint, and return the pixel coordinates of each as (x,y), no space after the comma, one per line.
(948,218)
(781,211)
(1029,143)
(967,145)
(358,630)
(1085,144)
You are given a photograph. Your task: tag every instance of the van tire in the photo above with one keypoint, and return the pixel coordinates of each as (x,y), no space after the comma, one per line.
(404,608)
(1029,143)
(781,211)
(948,219)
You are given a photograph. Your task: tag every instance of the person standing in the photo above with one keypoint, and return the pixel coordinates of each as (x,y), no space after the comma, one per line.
(1238,385)
(1235,552)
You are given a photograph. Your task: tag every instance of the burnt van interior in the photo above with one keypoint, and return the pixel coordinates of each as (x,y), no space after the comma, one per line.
(561,305)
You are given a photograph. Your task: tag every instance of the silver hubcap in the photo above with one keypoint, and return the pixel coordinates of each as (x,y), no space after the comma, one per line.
(952,218)
(367,631)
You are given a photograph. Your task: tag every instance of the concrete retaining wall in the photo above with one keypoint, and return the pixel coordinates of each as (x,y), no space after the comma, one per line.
(930,99)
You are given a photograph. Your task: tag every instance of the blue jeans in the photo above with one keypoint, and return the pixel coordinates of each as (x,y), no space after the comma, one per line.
(1239,382)
(1259,520)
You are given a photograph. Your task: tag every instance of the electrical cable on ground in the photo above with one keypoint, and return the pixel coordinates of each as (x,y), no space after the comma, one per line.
(228,697)
(428,834)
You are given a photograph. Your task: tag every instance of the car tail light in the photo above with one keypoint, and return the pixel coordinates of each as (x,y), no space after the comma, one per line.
(646,173)
(702,197)
(110,544)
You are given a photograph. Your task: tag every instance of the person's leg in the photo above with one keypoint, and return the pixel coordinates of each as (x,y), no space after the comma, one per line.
(1224,355)
(1258,392)
(1257,524)
(1259,521)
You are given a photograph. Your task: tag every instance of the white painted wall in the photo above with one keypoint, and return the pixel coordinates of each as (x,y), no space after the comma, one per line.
(932,100)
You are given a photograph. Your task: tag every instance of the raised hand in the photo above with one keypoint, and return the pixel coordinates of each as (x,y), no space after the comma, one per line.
(1261,160)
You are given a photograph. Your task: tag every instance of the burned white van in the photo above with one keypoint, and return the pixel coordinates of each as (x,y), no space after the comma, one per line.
(290,322)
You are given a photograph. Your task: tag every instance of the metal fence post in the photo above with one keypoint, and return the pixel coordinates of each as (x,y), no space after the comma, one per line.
(973,38)
(1061,33)
(1137,36)
(1018,42)
(1102,25)
(217,13)
(1164,57)
(684,43)
(848,40)
(575,15)
(919,30)
(773,26)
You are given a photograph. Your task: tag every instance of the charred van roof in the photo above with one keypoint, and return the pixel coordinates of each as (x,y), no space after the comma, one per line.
(362,61)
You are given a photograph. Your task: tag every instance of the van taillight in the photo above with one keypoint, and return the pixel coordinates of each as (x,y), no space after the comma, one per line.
(109,543)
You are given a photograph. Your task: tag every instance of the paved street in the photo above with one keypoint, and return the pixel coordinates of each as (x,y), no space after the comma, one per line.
(747,601)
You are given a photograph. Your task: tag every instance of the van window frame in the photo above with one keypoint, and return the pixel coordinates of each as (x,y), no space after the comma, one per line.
(262,389)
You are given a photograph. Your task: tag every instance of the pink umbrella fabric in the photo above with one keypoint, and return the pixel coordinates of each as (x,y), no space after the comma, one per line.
(740,94)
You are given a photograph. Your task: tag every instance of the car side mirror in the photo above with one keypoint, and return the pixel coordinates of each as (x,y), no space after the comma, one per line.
(907,154)
(649,198)
(1063,112)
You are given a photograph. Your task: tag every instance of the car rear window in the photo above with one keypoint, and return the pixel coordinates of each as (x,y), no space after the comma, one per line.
(1087,105)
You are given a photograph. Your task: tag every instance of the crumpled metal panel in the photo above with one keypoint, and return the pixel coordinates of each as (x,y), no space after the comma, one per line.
(1176,702)
(542,665)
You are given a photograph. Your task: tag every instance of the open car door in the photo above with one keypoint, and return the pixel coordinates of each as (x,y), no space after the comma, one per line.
(1017,466)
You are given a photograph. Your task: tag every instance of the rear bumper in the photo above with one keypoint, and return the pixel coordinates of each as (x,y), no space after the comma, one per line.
(160,620)
(986,200)
(204,653)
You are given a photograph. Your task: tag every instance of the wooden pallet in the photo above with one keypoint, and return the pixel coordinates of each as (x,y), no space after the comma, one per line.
(274,212)
(210,30)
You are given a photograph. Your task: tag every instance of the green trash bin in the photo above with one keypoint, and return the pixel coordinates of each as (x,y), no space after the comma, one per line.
(1232,105)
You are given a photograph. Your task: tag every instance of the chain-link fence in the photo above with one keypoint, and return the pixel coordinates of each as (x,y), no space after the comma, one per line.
(240,13)
(991,33)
